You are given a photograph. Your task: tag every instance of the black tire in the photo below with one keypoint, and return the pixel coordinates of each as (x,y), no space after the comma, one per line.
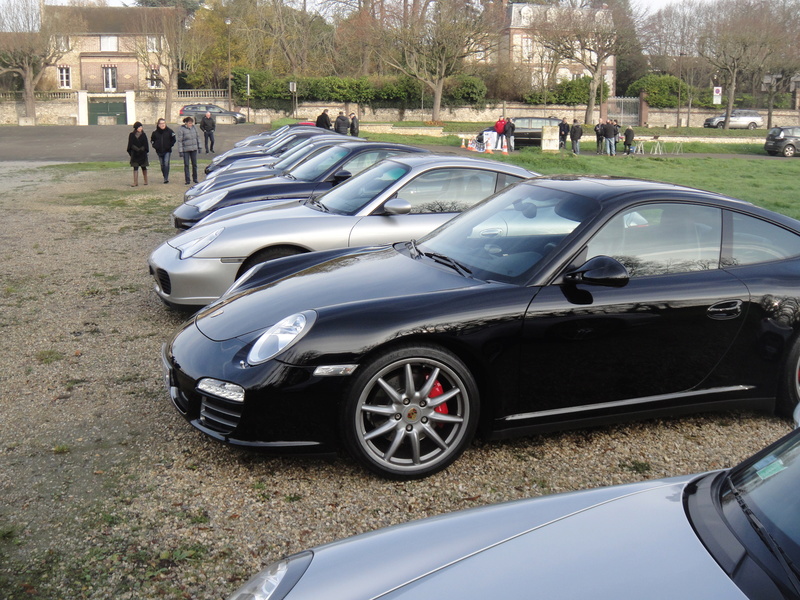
(265,255)
(410,412)
(721,124)
(789,390)
(751,126)
(789,150)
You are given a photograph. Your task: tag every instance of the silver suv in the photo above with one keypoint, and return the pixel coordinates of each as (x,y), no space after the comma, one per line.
(740,119)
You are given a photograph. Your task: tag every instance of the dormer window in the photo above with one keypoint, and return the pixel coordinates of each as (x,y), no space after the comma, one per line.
(109,43)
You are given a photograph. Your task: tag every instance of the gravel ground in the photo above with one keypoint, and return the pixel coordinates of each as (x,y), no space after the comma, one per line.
(108,493)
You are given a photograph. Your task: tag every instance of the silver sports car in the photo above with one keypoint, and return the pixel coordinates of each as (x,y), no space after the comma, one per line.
(724,535)
(400,198)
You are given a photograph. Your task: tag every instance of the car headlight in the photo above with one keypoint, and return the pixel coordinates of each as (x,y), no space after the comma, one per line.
(191,247)
(206,201)
(280,336)
(277,580)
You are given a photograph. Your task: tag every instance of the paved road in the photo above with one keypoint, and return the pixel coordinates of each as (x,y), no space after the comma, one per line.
(70,143)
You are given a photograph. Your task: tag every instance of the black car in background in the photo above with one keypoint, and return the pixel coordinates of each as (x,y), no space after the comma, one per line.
(783,140)
(198,111)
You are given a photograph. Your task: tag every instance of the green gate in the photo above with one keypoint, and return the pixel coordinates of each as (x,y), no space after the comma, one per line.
(107,109)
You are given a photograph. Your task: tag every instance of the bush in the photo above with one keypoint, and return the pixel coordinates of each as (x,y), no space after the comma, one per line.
(662,90)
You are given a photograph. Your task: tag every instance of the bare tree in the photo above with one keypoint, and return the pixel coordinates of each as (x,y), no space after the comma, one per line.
(581,34)
(736,37)
(29,43)
(430,41)
(159,47)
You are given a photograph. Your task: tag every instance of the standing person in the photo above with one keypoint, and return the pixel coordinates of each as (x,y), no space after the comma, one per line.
(353,124)
(616,135)
(563,132)
(499,129)
(207,126)
(629,135)
(575,135)
(509,133)
(137,150)
(610,135)
(188,139)
(342,124)
(163,139)
(598,132)
(323,120)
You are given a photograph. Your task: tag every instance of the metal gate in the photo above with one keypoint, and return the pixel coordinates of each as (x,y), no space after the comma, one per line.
(624,110)
(103,108)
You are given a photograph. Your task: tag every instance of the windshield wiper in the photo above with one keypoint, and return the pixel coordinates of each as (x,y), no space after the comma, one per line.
(412,248)
(317,204)
(289,175)
(788,568)
(447,261)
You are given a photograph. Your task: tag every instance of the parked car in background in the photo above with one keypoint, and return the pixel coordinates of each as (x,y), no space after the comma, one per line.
(528,130)
(740,119)
(559,302)
(399,198)
(198,111)
(783,140)
(313,176)
(728,534)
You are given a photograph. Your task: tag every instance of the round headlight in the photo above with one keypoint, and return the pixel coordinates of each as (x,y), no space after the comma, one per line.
(280,336)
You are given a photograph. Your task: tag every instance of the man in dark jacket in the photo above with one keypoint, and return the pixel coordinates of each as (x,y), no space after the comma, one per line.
(610,135)
(207,126)
(163,139)
(563,132)
(575,135)
(353,124)
(508,131)
(323,120)
(342,124)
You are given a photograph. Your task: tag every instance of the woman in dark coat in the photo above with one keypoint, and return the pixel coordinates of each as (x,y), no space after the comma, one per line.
(163,139)
(137,150)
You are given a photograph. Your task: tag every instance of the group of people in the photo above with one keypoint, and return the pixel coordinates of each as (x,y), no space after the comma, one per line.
(608,135)
(163,140)
(343,123)
(504,128)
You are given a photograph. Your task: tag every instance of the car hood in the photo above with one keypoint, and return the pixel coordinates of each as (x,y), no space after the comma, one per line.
(348,278)
(629,541)
(280,208)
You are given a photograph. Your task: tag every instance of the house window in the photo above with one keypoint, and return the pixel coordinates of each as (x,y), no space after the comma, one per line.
(154,79)
(62,43)
(110,79)
(109,43)
(153,43)
(64,78)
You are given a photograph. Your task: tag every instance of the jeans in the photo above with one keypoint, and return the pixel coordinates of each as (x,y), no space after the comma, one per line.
(187,156)
(163,159)
(576,146)
(209,135)
(611,146)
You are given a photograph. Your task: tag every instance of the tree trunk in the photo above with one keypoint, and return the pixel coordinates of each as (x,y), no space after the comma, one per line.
(593,84)
(438,89)
(27,94)
(731,98)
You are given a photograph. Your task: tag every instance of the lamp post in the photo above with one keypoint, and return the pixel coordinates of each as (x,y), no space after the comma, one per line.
(230,100)
(680,81)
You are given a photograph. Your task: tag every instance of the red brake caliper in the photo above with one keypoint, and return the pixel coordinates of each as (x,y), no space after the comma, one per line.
(438,390)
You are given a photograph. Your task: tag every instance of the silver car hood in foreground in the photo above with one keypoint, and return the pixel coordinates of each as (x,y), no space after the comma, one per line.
(631,541)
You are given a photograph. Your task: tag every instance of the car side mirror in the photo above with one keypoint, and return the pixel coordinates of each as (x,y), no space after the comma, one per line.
(396,206)
(341,176)
(600,270)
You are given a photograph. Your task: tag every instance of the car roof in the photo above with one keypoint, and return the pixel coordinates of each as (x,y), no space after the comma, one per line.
(457,160)
(382,145)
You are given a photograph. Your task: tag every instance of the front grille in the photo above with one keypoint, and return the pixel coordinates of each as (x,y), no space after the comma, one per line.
(164,281)
(220,415)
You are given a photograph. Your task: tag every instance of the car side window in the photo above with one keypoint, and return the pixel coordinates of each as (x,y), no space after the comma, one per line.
(659,239)
(522,122)
(448,190)
(213,109)
(755,241)
(506,179)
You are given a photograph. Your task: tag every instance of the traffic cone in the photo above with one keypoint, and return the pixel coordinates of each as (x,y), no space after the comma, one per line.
(505,146)
(488,149)
(462,143)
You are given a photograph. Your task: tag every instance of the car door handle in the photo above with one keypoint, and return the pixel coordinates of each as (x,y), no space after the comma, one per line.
(727,309)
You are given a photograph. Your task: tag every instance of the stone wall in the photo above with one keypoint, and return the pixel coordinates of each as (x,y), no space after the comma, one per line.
(149,108)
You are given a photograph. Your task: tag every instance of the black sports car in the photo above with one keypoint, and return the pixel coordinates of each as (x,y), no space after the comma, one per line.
(314,175)
(559,302)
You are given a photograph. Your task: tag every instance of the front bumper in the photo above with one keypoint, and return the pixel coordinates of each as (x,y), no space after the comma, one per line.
(193,282)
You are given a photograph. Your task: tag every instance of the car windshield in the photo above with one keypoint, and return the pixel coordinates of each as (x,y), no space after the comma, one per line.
(768,487)
(507,237)
(314,167)
(291,156)
(349,197)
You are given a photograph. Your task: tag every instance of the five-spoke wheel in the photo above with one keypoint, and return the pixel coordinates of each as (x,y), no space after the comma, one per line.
(410,412)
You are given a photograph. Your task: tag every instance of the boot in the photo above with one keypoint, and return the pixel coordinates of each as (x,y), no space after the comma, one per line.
(135,178)
(144,175)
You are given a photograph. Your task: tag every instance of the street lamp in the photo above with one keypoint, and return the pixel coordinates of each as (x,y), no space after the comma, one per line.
(680,81)
(230,100)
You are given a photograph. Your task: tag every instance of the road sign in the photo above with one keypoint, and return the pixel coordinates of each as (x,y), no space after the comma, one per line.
(717,95)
